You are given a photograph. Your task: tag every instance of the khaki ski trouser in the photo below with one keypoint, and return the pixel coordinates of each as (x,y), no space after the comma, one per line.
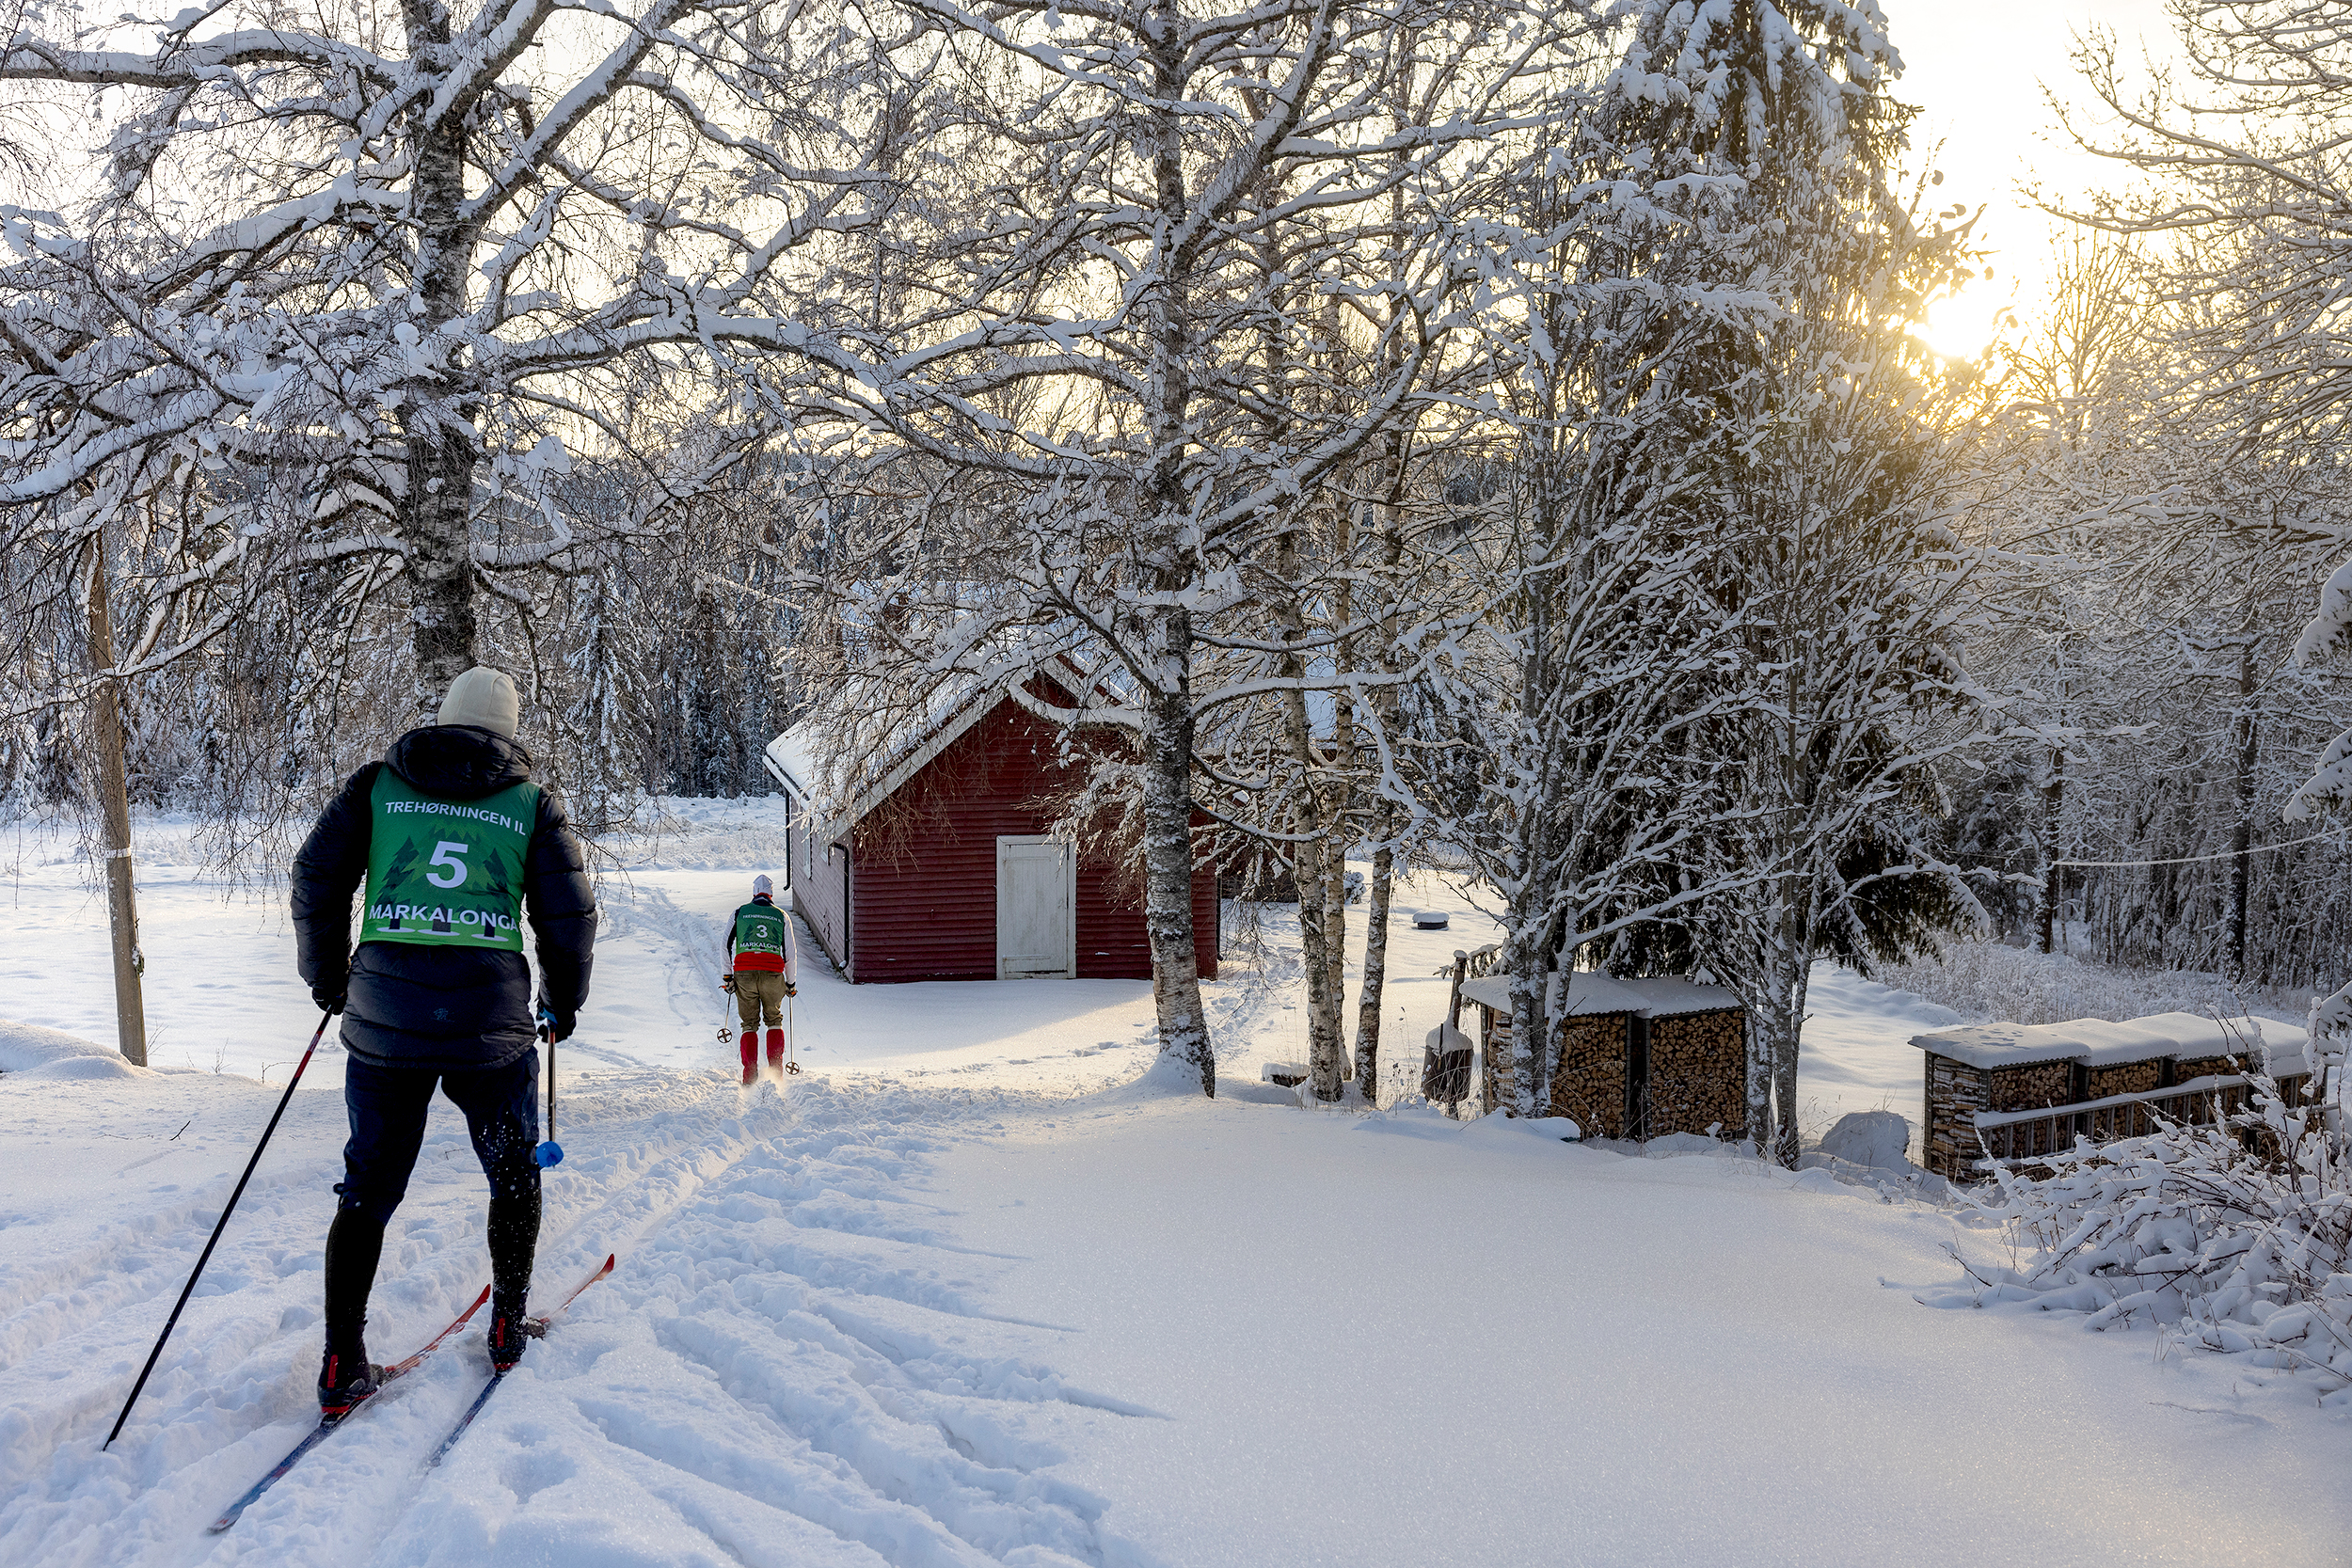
(758,992)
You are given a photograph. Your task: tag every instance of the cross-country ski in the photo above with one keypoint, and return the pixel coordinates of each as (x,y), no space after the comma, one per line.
(534,1328)
(331,1423)
(1418,783)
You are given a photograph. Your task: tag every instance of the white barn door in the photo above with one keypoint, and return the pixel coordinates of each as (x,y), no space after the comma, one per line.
(1036,907)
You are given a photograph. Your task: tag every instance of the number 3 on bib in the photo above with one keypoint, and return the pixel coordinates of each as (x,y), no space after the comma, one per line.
(443,860)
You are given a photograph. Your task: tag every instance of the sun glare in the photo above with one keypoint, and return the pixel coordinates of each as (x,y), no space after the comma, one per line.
(1963,326)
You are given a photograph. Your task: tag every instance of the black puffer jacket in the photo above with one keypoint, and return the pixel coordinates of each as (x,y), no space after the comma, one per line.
(443,1007)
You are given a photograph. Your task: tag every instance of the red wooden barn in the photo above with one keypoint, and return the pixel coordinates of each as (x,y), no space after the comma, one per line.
(942,867)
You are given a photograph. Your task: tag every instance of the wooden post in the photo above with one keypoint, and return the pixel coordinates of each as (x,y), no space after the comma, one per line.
(115,805)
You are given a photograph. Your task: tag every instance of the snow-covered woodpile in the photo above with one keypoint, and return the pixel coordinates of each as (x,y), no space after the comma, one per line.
(1697,1078)
(2019,1092)
(1588,1082)
(1638,1058)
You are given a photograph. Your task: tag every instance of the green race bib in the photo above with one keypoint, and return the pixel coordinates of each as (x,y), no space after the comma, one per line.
(759,928)
(447,873)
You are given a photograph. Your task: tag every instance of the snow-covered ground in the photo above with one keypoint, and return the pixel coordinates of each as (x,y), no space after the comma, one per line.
(965,1294)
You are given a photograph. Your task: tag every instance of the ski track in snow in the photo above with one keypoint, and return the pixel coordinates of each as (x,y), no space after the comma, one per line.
(790,1366)
(819,1346)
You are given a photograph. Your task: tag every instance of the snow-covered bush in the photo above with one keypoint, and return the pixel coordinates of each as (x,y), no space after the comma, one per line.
(2235,1243)
(1990,979)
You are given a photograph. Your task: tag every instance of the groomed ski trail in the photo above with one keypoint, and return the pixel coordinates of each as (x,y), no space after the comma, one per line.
(790,1365)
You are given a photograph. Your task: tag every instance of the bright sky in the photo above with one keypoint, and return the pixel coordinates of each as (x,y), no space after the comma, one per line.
(1977,68)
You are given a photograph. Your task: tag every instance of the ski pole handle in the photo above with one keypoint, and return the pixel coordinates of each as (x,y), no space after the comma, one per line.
(206,1257)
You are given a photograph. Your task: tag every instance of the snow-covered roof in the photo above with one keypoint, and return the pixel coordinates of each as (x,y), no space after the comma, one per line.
(1590,993)
(2097,1042)
(906,746)
(793,763)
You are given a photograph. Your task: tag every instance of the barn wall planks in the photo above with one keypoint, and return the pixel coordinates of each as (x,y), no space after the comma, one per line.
(819,879)
(923,898)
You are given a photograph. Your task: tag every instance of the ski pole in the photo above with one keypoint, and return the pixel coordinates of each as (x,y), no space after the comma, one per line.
(549,1152)
(791,1028)
(206,1256)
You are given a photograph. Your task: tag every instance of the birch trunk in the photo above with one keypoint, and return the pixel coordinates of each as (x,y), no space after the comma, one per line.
(1383,889)
(436,417)
(1759,1079)
(1168,866)
(2052,801)
(122,915)
(1787,1136)
(1376,975)
(1310,875)
(1522,1077)
(1336,806)
(1163,620)
(2242,829)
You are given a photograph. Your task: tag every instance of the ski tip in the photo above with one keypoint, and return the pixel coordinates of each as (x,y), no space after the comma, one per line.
(609,1259)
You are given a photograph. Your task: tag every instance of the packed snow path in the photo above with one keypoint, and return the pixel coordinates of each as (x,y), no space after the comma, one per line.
(1282,1338)
(859,1324)
(790,1365)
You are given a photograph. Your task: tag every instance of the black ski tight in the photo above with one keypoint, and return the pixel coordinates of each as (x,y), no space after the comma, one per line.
(354,1245)
(387,1106)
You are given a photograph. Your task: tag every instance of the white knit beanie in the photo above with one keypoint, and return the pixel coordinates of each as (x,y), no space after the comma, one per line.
(484,698)
(762,887)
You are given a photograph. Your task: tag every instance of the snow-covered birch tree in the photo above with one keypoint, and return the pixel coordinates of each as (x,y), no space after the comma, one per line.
(392,267)
(1084,346)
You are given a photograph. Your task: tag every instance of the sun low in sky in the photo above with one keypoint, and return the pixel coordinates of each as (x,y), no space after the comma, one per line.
(1977,70)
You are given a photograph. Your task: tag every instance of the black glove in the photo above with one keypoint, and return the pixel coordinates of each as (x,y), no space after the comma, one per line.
(791,990)
(328,1001)
(558,1025)
(726,983)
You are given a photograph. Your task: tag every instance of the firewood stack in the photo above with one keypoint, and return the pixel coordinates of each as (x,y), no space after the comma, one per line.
(2101,1079)
(1957,1091)
(2034,1087)
(1699,1074)
(1588,1085)
(1637,1057)
(2123,1078)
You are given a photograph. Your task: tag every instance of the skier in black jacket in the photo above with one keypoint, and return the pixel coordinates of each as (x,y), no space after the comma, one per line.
(454,840)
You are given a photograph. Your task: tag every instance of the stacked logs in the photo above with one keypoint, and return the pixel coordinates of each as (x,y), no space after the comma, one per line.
(2123,1078)
(1699,1074)
(1956,1092)
(1588,1085)
(2033,1086)
(1497,1051)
